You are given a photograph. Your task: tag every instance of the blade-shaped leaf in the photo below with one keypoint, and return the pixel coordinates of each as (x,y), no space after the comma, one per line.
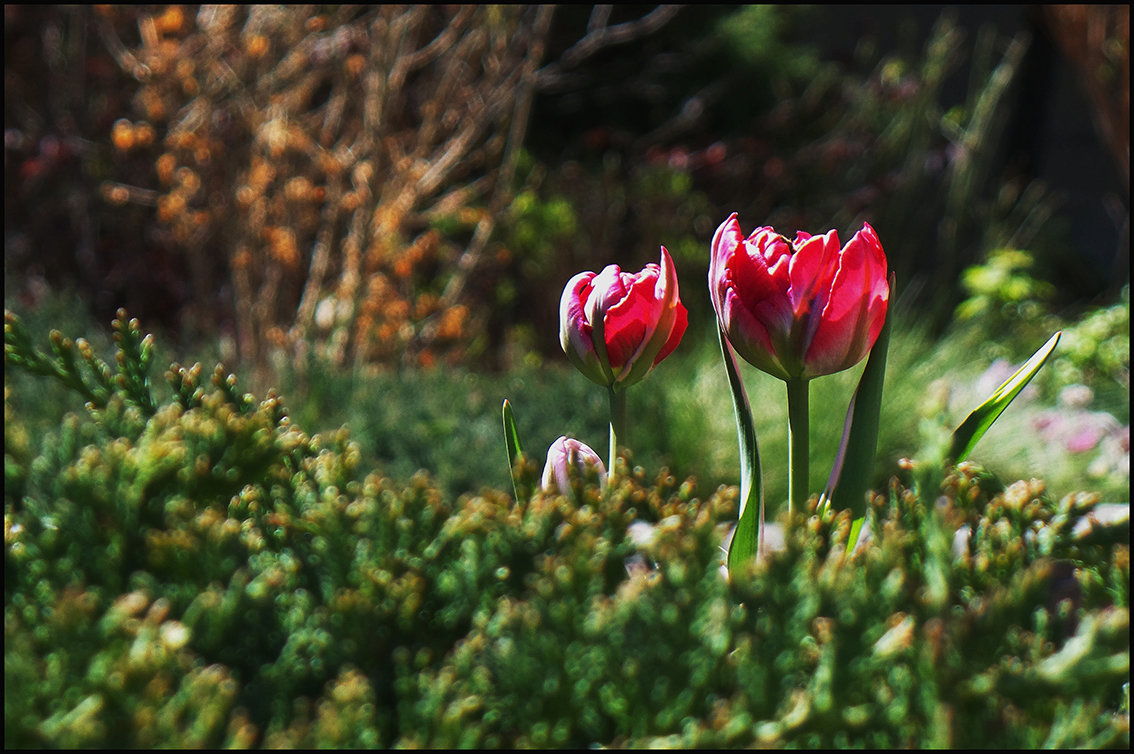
(854,462)
(855,533)
(512,444)
(749,533)
(982,417)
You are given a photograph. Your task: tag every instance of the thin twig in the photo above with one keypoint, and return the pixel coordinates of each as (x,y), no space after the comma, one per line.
(602,37)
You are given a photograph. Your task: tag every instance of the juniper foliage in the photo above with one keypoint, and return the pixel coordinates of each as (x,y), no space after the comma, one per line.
(188,568)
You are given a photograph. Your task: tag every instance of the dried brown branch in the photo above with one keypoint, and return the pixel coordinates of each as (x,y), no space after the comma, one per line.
(308,153)
(502,195)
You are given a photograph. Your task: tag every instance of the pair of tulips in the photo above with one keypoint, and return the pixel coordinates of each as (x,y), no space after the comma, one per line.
(796,309)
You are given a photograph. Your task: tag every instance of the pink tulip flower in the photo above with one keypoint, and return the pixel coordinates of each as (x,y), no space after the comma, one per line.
(798,309)
(568,456)
(616,326)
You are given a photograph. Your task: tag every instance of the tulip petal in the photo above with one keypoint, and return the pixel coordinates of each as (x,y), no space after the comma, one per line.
(566,457)
(750,336)
(657,311)
(765,291)
(576,334)
(750,298)
(813,268)
(763,264)
(680,322)
(595,307)
(725,241)
(855,308)
(630,323)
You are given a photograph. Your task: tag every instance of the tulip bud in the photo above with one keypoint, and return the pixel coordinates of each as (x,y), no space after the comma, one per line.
(616,326)
(802,308)
(565,457)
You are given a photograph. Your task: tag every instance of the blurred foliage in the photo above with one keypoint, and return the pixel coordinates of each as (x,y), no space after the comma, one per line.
(196,570)
(1003,288)
(886,151)
(351,181)
(1098,348)
(1096,39)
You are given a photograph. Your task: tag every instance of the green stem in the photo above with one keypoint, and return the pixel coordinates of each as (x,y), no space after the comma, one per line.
(798,443)
(617,428)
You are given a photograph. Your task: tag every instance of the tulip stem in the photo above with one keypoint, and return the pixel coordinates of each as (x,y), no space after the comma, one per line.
(617,427)
(798,442)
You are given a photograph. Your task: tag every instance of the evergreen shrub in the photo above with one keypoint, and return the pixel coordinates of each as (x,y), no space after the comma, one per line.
(188,568)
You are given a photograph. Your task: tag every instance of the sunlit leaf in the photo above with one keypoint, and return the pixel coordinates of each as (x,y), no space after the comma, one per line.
(512,444)
(965,437)
(749,533)
(855,533)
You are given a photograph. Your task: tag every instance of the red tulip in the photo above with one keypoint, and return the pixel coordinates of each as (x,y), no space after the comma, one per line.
(616,326)
(798,309)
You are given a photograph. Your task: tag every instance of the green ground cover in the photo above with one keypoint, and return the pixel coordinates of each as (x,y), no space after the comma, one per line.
(185,565)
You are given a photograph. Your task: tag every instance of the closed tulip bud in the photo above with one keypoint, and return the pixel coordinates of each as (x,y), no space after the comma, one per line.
(567,457)
(798,309)
(616,326)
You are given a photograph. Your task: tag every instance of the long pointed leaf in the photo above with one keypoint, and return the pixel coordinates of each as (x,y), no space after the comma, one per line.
(512,444)
(748,537)
(854,463)
(855,533)
(982,417)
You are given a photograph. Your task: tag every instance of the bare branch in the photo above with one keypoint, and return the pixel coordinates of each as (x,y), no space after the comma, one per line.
(443,41)
(126,60)
(604,36)
(690,115)
(600,15)
(502,191)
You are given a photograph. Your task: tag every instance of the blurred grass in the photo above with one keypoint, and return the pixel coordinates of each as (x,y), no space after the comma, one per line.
(448,421)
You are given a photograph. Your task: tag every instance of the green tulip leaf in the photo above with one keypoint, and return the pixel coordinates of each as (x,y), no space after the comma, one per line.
(749,533)
(855,533)
(977,423)
(854,462)
(512,444)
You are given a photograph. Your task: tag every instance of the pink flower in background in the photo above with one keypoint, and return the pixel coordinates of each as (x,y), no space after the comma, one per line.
(802,308)
(616,326)
(1076,430)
